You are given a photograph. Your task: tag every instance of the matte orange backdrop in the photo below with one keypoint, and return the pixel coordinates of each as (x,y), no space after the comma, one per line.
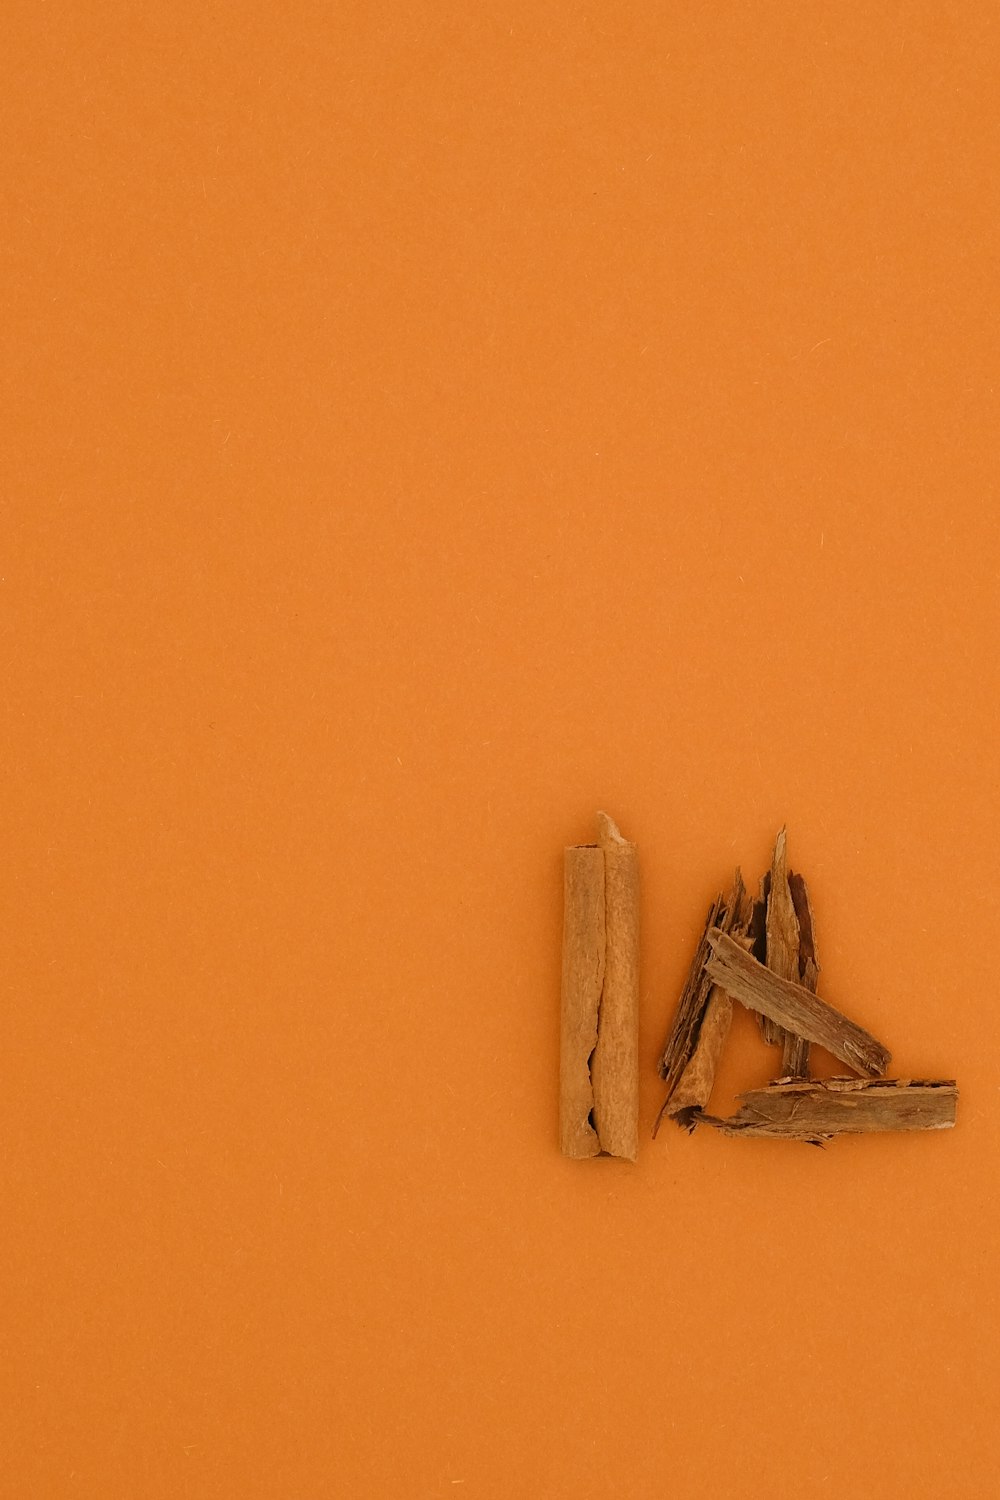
(424,424)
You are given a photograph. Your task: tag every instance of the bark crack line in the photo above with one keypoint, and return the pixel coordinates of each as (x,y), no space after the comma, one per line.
(602,979)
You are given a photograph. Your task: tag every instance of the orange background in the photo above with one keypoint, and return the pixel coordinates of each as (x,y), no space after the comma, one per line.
(424,425)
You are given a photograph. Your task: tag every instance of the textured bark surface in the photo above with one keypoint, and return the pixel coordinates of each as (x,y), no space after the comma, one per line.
(694,1087)
(782,954)
(704,1012)
(614,1068)
(582,985)
(599,1027)
(792,1006)
(804,1110)
(758,933)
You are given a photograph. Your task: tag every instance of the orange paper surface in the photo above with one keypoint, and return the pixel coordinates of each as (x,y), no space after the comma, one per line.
(422,426)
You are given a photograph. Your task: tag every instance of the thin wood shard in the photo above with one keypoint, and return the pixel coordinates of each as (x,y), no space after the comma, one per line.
(814,1111)
(704,1013)
(599,1033)
(691,1005)
(783,940)
(758,933)
(794,1055)
(792,1006)
(782,927)
(614,1068)
(694,1087)
(808,962)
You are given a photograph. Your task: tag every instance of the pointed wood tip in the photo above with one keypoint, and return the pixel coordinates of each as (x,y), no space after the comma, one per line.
(608,831)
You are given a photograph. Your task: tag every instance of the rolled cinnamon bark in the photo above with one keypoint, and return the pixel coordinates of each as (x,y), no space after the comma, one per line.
(599,1043)
(582,986)
(615,1065)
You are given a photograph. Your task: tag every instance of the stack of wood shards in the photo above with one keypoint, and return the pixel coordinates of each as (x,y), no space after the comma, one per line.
(763,954)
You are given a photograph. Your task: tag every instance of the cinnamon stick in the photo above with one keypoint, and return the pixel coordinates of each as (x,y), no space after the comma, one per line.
(615,1065)
(582,982)
(792,1006)
(599,1036)
(814,1111)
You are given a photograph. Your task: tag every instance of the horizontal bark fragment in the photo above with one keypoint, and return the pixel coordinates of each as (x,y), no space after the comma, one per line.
(814,1111)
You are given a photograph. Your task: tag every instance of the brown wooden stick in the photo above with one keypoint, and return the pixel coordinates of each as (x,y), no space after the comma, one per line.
(614,1067)
(810,1110)
(792,1006)
(582,982)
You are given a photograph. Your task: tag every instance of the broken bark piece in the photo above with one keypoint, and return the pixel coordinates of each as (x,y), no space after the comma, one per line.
(814,1111)
(792,1006)
(758,920)
(782,954)
(691,1005)
(808,962)
(704,1013)
(729,914)
(758,933)
(614,1068)
(782,927)
(694,1087)
(583,964)
(795,1056)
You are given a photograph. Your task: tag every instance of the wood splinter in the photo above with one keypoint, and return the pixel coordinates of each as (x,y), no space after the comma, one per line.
(599,1040)
(704,1014)
(782,943)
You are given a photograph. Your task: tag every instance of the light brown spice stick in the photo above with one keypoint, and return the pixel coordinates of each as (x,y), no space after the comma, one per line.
(792,1006)
(583,962)
(813,1110)
(614,1068)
